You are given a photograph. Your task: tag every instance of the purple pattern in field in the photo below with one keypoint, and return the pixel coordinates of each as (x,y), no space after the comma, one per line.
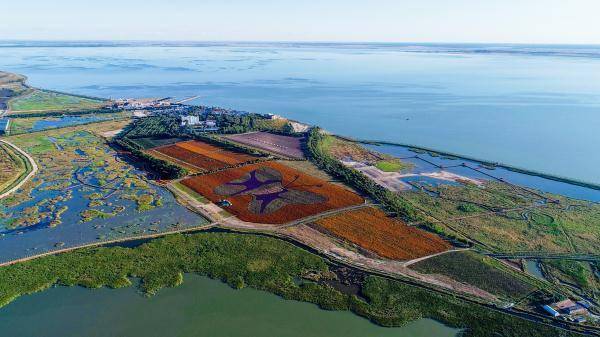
(283,145)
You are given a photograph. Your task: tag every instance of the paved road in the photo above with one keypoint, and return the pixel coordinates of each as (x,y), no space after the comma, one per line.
(29,176)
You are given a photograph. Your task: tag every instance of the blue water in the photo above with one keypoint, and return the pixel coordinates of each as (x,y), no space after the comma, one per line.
(475,170)
(536,107)
(57,122)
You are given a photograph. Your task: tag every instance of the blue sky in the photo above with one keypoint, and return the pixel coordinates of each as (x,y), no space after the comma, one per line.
(518,21)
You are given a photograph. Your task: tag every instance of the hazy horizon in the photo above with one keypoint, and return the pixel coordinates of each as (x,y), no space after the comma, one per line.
(384,21)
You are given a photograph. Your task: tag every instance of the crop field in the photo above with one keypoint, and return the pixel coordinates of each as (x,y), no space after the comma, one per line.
(198,156)
(477,270)
(371,229)
(40,100)
(151,142)
(282,145)
(12,167)
(271,193)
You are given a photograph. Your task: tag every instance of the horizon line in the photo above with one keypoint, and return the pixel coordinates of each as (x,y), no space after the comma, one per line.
(296,42)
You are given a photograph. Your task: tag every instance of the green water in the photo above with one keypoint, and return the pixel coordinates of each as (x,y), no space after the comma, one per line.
(199,307)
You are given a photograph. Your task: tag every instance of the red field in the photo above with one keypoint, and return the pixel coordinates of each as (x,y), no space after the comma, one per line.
(283,145)
(372,230)
(201,156)
(271,193)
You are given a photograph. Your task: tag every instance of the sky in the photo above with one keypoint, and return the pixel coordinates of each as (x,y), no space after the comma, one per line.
(491,21)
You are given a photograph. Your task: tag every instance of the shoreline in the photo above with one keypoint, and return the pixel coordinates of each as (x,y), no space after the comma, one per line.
(549,176)
(513,168)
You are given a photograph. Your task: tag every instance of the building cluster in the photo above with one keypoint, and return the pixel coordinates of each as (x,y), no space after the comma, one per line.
(194,121)
(569,309)
(141,103)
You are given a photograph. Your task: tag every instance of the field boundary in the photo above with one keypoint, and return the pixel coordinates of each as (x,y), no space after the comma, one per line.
(103,243)
(31,169)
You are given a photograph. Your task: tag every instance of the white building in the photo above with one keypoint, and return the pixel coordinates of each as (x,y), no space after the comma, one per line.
(190,120)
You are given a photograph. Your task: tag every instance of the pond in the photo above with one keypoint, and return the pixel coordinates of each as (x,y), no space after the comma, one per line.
(427,164)
(59,122)
(199,307)
(85,194)
(533,268)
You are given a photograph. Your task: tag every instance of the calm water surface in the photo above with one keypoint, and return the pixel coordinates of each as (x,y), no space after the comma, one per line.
(200,307)
(536,107)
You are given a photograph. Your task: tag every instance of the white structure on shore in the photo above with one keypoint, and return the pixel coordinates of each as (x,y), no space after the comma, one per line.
(190,120)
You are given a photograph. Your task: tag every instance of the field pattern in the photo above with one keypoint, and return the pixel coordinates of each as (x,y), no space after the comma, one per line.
(271,193)
(12,166)
(197,156)
(480,271)
(41,100)
(372,230)
(283,145)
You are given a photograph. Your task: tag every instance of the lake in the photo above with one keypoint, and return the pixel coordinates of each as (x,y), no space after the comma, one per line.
(535,107)
(199,307)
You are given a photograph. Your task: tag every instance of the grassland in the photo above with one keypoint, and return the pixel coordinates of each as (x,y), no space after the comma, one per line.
(29,124)
(480,271)
(41,100)
(502,218)
(575,273)
(13,167)
(372,230)
(262,263)
(392,165)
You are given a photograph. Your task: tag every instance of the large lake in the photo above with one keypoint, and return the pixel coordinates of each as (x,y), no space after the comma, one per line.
(536,107)
(199,307)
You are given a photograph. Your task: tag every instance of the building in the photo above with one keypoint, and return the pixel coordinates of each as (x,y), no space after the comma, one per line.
(190,120)
(568,308)
(210,123)
(551,311)
(141,103)
(4,125)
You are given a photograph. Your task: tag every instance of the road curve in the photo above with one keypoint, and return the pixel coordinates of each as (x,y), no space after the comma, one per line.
(29,176)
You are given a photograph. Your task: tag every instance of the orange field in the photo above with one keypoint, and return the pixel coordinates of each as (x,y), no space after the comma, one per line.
(271,193)
(372,230)
(201,156)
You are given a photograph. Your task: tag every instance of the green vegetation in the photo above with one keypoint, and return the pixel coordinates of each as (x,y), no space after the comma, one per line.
(70,158)
(317,148)
(164,169)
(152,142)
(480,271)
(42,100)
(573,272)
(252,122)
(262,263)
(155,126)
(14,167)
(392,165)
(27,122)
(195,195)
(91,214)
(569,226)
